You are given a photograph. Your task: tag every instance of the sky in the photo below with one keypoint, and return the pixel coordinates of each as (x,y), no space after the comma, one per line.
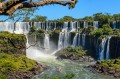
(83,8)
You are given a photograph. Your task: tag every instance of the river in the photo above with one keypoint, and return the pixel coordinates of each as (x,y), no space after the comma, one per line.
(61,67)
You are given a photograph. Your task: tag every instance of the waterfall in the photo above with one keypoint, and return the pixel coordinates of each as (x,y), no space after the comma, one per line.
(83,40)
(108,47)
(102,49)
(85,24)
(95,24)
(60,41)
(18,27)
(79,38)
(63,41)
(75,40)
(114,24)
(46,41)
(27,43)
(72,26)
(7,26)
(66,39)
(65,27)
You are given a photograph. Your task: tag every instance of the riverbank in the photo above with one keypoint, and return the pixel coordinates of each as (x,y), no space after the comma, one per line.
(108,67)
(13,66)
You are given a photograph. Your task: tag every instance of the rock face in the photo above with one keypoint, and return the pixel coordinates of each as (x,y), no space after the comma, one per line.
(12,43)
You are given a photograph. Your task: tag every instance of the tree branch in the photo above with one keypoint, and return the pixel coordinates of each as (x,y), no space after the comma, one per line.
(9,7)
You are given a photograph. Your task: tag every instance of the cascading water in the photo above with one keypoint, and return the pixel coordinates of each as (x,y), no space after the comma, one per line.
(7,26)
(114,24)
(63,41)
(66,39)
(102,49)
(79,39)
(16,27)
(108,47)
(73,26)
(85,24)
(60,41)
(65,27)
(75,40)
(83,39)
(46,41)
(95,24)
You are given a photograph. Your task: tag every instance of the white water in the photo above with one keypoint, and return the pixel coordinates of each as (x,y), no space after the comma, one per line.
(75,40)
(60,41)
(34,53)
(73,26)
(83,40)
(63,41)
(65,27)
(46,41)
(66,39)
(79,39)
(95,24)
(18,27)
(85,24)
(108,49)
(114,24)
(102,49)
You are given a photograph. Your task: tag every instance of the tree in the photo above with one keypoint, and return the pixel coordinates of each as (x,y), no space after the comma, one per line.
(38,18)
(67,18)
(8,7)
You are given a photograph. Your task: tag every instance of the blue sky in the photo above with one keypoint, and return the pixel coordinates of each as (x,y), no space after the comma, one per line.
(83,8)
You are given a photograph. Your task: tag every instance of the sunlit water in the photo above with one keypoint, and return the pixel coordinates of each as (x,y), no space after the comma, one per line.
(61,67)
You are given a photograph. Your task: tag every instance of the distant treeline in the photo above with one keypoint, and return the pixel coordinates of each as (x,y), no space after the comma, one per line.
(101,17)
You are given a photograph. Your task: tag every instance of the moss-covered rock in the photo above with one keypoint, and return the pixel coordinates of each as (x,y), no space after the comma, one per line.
(74,53)
(12,43)
(14,66)
(108,67)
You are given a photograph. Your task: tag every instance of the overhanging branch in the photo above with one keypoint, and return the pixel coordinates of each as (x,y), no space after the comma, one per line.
(9,7)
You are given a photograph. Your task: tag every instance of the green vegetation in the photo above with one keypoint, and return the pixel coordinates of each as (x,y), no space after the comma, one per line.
(110,64)
(105,30)
(67,76)
(12,43)
(32,29)
(88,30)
(71,52)
(14,63)
(38,18)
